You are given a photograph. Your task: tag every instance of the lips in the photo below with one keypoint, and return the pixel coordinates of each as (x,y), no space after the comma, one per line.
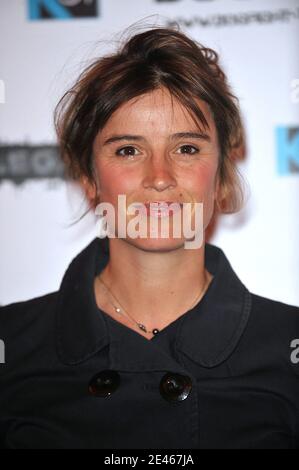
(158,208)
(161,204)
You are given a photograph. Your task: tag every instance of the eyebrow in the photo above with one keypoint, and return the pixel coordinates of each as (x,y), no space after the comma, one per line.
(178,135)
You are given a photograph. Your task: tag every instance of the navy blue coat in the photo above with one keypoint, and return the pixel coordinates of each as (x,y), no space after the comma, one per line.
(225,375)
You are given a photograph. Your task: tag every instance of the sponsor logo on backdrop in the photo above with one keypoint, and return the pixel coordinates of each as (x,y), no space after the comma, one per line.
(20,163)
(173,1)
(62,9)
(287,141)
(229,19)
(202,1)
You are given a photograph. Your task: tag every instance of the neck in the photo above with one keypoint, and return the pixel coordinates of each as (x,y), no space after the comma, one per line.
(155,287)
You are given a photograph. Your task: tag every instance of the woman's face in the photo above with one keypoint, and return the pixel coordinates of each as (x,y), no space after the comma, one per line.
(154,164)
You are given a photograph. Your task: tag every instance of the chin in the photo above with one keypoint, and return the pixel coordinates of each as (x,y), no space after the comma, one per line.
(160,245)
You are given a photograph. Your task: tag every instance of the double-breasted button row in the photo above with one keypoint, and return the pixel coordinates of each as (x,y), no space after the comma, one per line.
(173,387)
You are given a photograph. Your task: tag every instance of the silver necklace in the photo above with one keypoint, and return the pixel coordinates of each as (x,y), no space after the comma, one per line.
(141,326)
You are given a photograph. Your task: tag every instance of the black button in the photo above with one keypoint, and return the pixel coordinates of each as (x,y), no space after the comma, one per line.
(175,387)
(104,384)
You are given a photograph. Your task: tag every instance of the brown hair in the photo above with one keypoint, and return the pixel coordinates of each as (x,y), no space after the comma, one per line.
(158,57)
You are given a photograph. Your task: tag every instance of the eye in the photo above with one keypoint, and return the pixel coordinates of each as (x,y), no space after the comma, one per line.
(188,147)
(130,151)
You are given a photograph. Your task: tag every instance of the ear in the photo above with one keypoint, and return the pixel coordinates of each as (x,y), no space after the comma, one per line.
(220,194)
(217,187)
(90,190)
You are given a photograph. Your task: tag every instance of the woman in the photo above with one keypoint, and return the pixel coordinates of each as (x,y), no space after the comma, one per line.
(148,344)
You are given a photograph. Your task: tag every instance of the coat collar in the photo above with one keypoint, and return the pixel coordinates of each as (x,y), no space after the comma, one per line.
(208,333)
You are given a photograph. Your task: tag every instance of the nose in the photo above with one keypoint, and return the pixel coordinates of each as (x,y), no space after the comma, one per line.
(159,175)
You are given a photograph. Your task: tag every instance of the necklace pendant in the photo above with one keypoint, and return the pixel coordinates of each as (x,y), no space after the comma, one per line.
(156,331)
(142,327)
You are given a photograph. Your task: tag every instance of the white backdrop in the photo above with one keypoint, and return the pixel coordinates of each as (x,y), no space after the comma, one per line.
(258,44)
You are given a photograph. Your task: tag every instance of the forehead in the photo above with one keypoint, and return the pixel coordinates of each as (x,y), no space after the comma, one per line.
(156,110)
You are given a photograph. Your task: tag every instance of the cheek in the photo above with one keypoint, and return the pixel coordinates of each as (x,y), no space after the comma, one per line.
(203,182)
(114,182)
